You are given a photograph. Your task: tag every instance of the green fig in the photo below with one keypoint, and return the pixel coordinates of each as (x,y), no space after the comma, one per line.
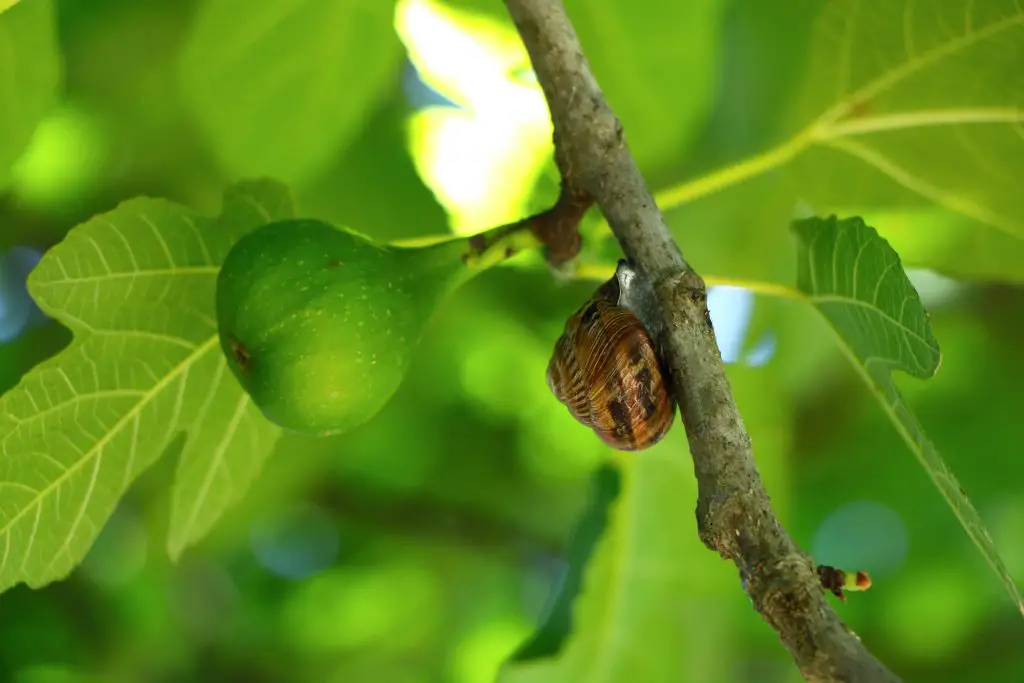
(319,323)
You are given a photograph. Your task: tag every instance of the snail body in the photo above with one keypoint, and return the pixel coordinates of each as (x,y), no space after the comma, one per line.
(606,369)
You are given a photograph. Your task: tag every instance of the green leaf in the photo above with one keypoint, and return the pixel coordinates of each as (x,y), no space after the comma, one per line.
(31,69)
(361,186)
(906,107)
(136,287)
(856,281)
(630,619)
(735,233)
(656,63)
(916,103)
(227,447)
(948,243)
(281,86)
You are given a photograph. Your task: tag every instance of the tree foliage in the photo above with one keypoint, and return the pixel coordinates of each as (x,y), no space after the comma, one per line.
(821,155)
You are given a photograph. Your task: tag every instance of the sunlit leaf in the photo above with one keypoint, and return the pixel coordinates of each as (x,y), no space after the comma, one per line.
(855,279)
(136,287)
(280,86)
(906,106)
(915,103)
(230,439)
(31,69)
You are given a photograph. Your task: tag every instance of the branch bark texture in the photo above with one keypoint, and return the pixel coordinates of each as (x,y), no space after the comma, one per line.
(734,513)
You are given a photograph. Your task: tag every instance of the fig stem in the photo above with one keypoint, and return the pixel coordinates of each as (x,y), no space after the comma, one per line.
(491,247)
(483,250)
(556,231)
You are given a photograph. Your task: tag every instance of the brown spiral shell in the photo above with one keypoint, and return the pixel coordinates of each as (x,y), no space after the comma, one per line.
(605,369)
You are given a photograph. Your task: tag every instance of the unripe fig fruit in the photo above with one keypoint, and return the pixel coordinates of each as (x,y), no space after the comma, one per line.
(318,323)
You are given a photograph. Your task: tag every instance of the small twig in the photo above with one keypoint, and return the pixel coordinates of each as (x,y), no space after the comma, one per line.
(557,228)
(734,513)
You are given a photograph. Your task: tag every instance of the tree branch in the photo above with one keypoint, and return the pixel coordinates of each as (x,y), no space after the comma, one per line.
(734,513)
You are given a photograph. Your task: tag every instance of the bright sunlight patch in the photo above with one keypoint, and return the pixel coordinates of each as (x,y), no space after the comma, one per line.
(481,159)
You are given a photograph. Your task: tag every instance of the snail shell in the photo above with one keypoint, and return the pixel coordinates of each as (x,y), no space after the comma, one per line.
(606,370)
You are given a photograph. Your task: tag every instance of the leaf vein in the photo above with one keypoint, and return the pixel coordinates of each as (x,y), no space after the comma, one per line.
(182,368)
(835,299)
(160,239)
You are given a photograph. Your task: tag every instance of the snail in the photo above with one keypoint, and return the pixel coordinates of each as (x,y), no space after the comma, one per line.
(606,368)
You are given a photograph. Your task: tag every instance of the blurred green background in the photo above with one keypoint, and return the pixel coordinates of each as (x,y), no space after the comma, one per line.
(424,545)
